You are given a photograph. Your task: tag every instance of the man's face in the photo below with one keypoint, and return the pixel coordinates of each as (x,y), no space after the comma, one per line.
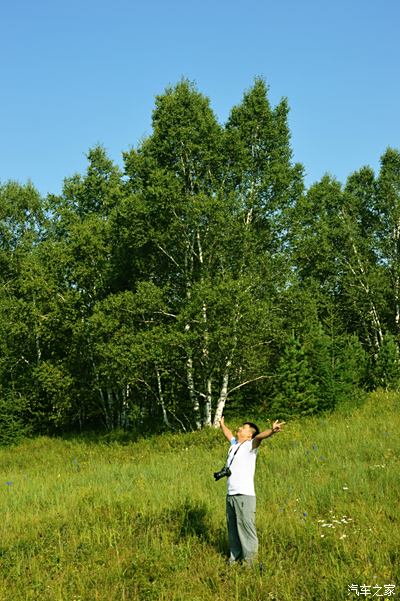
(245,432)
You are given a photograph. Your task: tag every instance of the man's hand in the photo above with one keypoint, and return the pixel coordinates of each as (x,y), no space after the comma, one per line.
(277,426)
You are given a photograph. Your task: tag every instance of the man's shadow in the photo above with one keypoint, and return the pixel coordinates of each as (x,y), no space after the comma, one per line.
(192,519)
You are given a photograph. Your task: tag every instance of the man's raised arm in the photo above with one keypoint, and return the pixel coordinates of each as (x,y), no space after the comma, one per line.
(276,427)
(226,432)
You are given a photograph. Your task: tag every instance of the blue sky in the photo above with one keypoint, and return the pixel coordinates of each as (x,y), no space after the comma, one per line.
(78,73)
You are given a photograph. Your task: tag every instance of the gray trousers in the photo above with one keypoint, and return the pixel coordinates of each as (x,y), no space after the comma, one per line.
(241,521)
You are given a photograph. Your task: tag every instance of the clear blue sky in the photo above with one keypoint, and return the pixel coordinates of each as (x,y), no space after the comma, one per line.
(75,73)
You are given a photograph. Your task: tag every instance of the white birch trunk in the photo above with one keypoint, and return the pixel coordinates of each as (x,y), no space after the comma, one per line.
(192,393)
(373,311)
(205,350)
(362,278)
(161,398)
(125,407)
(249,217)
(223,395)
(208,403)
(189,362)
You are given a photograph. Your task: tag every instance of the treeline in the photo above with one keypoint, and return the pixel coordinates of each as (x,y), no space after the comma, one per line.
(204,274)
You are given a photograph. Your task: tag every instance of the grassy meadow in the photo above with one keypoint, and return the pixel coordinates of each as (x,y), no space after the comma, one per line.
(97,521)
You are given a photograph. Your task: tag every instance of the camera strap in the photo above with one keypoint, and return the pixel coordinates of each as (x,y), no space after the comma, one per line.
(230,463)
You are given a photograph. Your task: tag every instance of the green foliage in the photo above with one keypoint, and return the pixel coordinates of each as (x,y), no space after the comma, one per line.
(55,386)
(351,364)
(13,427)
(386,369)
(317,370)
(295,393)
(338,365)
(156,298)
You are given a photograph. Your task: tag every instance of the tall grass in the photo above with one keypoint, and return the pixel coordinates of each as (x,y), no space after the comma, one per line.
(145,521)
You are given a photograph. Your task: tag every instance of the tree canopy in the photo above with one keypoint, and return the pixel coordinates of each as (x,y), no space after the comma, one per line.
(201,277)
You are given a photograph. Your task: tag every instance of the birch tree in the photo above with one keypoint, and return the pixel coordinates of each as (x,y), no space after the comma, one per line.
(79,252)
(176,173)
(21,221)
(212,203)
(334,250)
(388,231)
(266,185)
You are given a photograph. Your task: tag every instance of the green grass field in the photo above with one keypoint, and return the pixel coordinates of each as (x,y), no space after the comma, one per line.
(85,521)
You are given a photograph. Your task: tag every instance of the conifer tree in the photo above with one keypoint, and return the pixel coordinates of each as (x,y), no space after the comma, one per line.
(295,390)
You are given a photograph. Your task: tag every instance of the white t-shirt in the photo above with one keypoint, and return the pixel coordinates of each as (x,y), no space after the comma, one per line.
(241,481)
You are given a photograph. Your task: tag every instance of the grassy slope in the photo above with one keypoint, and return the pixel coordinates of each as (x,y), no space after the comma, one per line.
(84,521)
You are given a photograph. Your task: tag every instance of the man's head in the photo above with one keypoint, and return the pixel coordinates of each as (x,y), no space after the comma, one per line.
(247,431)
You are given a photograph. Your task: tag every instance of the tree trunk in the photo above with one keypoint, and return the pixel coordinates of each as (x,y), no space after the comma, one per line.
(161,398)
(192,393)
(208,403)
(223,395)
(205,349)
(189,361)
(360,274)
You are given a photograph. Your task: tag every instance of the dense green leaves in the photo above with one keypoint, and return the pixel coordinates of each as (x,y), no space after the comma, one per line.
(201,278)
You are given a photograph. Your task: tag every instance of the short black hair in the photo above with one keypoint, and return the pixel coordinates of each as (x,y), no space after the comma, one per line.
(254,427)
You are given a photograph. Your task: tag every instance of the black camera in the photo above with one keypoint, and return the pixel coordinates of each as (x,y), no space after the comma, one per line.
(225,472)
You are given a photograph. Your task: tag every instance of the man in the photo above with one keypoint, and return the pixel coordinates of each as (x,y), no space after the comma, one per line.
(241,496)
